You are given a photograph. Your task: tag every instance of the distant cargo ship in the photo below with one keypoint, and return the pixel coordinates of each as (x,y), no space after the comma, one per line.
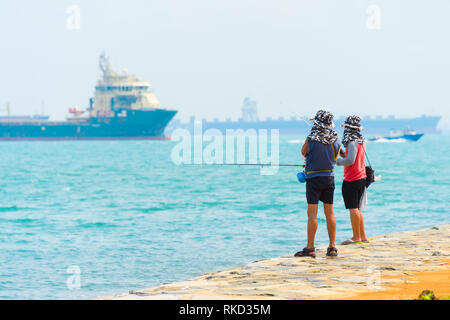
(296,125)
(124,107)
(32,118)
(20,118)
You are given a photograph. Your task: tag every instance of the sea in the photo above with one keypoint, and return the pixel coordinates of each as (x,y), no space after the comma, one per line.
(88,219)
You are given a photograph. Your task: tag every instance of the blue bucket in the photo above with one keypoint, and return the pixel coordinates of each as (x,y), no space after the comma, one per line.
(301,176)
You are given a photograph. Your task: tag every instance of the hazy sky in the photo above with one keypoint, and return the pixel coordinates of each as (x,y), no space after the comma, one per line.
(204,56)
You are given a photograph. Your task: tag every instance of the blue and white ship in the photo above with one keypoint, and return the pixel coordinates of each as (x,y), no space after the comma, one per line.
(124,107)
(399,135)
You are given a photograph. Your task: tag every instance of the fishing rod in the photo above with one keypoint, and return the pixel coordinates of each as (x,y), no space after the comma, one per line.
(302,118)
(263,164)
(253,164)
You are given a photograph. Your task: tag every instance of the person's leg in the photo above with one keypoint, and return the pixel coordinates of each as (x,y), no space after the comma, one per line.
(362,199)
(356,224)
(331,223)
(361,227)
(309,250)
(312,224)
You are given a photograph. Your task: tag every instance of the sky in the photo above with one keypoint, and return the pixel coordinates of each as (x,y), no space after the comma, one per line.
(203,57)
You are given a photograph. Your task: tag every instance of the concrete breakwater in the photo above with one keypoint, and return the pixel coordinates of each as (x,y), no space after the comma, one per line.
(387,267)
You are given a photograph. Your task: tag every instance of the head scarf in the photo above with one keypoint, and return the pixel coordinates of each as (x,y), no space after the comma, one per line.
(352,130)
(322,130)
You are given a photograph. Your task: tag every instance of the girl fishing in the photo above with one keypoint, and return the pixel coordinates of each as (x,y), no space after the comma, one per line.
(354,185)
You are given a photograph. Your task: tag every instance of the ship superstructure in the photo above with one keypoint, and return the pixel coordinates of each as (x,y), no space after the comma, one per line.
(121,91)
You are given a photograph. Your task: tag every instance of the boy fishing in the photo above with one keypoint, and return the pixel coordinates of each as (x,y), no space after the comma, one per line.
(321,149)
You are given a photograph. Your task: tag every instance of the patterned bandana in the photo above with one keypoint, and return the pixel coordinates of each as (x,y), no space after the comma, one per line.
(352,130)
(322,131)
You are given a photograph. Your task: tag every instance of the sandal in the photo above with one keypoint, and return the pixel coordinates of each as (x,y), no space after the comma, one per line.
(306,253)
(350,241)
(332,252)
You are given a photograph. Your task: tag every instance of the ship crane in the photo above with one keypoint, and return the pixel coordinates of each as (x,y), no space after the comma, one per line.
(7,109)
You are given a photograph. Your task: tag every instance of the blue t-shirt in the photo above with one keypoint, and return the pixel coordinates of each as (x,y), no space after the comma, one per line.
(321,158)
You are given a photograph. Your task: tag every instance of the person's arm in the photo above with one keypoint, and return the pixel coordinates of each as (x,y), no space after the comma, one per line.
(305,148)
(352,148)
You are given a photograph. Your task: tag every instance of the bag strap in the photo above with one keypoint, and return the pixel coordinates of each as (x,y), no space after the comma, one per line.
(370,165)
(336,155)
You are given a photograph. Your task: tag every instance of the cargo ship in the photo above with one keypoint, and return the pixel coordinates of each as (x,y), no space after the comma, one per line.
(123,107)
(297,125)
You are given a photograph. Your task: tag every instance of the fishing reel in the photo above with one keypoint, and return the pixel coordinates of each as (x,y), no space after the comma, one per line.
(301,176)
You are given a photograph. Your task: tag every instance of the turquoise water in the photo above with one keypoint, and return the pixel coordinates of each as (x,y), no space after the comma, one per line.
(129,218)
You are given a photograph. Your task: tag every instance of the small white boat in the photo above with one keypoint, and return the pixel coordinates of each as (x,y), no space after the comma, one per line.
(408,135)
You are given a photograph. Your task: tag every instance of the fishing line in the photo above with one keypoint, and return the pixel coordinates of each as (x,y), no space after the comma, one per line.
(302,118)
(249,164)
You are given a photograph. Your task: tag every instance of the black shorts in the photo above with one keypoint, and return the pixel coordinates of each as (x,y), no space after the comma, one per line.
(320,188)
(353,192)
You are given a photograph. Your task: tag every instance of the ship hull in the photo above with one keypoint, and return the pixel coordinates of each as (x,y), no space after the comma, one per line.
(136,125)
